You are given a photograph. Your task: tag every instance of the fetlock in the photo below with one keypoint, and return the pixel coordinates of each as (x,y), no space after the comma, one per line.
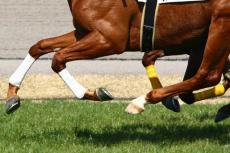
(12,91)
(187,98)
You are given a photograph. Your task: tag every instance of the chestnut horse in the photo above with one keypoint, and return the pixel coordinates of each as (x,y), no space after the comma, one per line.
(200,29)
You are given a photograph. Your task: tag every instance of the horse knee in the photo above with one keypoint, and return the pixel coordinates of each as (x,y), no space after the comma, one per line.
(154,96)
(37,49)
(188,98)
(151,57)
(201,80)
(58,62)
(207,79)
(213,78)
(147,61)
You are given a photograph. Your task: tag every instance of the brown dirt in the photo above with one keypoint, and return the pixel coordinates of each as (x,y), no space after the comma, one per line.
(121,86)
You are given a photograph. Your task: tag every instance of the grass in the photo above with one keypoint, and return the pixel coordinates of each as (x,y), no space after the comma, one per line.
(57,126)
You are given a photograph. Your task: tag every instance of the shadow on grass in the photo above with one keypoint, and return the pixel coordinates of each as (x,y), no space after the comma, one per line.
(55,136)
(172,133)
(154,134)
(205,116)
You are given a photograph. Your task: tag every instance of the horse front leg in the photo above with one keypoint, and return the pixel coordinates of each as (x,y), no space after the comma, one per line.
(93,45)
(40,48)
(218,90)
(215,91)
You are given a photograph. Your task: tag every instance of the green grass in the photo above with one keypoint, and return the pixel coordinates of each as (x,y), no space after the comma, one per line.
(67,127)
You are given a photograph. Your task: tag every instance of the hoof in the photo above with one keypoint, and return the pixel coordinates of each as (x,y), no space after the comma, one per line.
(134,109)
(172,104)
(12,104)
(103,94)
(223,113)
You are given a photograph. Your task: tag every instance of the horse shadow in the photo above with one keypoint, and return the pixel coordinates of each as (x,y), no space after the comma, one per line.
(156,134)
(173,132)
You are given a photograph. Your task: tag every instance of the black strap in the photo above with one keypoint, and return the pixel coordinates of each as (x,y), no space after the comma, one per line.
(148,26)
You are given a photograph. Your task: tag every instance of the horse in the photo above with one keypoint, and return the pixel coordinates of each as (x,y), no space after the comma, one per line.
(102,28)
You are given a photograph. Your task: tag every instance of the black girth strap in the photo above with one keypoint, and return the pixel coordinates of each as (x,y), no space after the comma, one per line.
(148,25)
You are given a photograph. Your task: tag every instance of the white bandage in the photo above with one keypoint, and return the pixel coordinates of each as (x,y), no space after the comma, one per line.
(76,87)
(140,102)
(17,77)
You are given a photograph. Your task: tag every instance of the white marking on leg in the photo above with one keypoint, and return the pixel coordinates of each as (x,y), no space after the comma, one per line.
(18,76)
(76,87)
(137,105)
(140,102)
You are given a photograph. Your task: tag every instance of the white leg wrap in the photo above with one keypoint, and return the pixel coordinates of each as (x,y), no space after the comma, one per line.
(18,76)
(76,87)
(140,102)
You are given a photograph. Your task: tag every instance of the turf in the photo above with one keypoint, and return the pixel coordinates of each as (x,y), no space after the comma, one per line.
(57,126)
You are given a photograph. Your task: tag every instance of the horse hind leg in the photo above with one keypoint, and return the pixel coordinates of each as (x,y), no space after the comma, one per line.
(93,45)
(224,111)
(40,48)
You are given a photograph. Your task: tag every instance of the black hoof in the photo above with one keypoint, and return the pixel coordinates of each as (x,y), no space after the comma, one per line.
(103,94)
(172,104)
(223,113)
(12,104)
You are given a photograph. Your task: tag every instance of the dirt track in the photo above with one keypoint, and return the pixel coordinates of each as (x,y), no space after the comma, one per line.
(121,86)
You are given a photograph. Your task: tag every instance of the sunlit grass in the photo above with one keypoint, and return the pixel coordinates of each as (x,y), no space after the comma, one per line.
(60,126)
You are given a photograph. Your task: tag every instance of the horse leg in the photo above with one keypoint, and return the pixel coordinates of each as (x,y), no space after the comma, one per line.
(40,48)
(194,62)
(209,73)
(148,62)
(224,111)
(218,90)
(215,91)
(226,73)
(91,46)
